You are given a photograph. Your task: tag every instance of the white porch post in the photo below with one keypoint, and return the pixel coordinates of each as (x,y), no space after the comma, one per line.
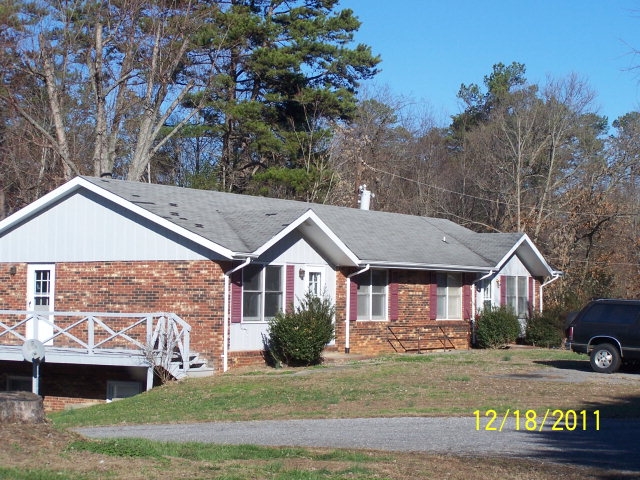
(149,377)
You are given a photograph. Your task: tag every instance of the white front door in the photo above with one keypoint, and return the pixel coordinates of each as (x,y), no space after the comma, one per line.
(40,290)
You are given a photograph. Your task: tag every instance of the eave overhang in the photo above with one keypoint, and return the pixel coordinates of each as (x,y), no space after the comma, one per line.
(530,256)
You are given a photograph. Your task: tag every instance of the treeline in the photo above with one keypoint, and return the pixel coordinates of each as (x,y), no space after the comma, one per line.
(261,97)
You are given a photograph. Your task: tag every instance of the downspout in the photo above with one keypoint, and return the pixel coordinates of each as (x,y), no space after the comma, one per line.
(347,316)
(554,277)
(226,314)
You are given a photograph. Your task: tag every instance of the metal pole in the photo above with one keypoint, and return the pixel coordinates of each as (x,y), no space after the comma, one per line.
(35,386)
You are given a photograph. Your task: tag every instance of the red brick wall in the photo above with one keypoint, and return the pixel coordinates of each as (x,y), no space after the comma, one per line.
(413,324)
(244,359)
(13,296)
(13,288)
(193,290)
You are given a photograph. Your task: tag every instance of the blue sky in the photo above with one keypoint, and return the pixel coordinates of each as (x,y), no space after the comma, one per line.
(429,48)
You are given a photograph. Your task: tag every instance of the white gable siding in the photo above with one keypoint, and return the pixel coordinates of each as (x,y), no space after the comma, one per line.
(292,250)
(88,228)
(490,288)
(514,267)
(295,250)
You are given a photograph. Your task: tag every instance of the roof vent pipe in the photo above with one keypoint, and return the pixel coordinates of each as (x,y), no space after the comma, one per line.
(365,197)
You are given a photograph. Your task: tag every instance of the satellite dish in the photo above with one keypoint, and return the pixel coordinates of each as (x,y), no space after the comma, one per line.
(33,350)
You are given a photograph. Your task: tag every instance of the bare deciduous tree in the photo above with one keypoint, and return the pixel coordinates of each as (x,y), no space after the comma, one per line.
(114,72)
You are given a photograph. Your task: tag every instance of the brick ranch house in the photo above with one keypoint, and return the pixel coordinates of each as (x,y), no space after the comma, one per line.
(113,277)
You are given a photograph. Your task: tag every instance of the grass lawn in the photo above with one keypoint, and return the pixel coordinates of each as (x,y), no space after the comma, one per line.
(451,383)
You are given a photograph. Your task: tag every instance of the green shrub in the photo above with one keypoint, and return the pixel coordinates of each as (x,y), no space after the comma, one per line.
(544,330)
(496,327)
(299,337)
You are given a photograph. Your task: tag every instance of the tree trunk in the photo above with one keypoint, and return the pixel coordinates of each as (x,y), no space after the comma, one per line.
(21,407)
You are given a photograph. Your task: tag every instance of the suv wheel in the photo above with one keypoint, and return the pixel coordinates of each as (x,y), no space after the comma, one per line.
(605,358)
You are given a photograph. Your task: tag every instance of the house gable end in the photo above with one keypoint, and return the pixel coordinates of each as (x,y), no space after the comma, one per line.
(319,236)
(84,226)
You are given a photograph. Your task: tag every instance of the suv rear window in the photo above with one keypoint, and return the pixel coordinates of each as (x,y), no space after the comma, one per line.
(608,313)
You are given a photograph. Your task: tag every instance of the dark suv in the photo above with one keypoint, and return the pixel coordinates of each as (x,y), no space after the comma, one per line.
(608,331)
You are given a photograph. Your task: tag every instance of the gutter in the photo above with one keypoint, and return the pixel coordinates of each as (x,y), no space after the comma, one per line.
(226,315)
(555,276)
(437,267)
(347,315)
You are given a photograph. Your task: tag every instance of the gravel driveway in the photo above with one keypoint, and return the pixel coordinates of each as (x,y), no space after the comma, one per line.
(613,446)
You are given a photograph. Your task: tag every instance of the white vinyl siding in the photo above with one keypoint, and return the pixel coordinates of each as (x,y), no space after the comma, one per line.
(92,229)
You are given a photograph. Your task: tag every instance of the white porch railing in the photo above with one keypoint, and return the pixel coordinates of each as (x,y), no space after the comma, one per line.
(161,339)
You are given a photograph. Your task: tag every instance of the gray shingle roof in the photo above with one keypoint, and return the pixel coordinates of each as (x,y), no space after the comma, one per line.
(243,223)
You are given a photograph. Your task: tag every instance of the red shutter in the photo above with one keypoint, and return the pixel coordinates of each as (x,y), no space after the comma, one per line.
(503,291)
(290,290)
(466,296)
(433,296)
(393,295)
(236,296)
(353,299)
(531,296)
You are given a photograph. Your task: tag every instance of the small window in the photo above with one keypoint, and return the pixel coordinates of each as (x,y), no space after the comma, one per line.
(517,295)
(315,284)
(117,390)
(262,292)
(487,295)
(372,295)
(42,289)
(449,296)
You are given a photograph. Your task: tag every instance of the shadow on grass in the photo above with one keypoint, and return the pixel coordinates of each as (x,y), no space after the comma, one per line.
(585,366)
(579,365)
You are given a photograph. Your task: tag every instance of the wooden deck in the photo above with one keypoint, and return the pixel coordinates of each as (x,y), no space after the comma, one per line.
(100,338)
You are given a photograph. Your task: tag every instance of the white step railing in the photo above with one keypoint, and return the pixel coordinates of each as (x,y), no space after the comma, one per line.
(161,338)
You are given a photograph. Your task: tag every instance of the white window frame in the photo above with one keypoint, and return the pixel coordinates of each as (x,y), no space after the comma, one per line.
(449,293)
(261,293)
(487,295)
(366,294)
(315,287)
(517,294)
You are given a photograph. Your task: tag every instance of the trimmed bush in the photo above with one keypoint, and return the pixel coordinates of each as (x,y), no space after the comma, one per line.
(298,337)
(544,330)
(496,327)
